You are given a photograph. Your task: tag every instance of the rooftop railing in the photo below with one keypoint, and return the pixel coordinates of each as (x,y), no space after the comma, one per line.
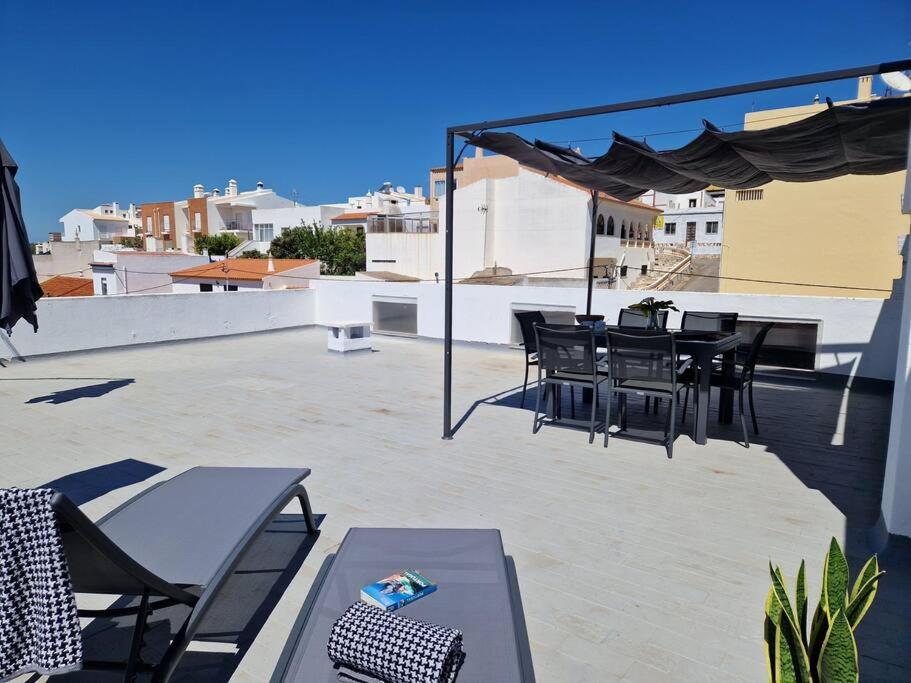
(405,223)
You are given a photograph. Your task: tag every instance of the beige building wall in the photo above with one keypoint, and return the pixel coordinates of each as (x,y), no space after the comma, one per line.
(842,232)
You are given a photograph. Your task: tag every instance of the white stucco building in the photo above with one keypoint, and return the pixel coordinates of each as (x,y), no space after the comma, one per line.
(177,224)
(695,217)
(103,223)
(138,272)
(516,220)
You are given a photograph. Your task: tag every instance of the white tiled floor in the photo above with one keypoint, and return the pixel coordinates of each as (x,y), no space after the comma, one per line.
(633,567)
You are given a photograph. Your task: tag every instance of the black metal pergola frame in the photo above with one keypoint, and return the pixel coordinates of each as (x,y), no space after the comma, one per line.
(695,96)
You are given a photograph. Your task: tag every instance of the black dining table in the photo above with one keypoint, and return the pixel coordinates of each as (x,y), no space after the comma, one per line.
(704,348)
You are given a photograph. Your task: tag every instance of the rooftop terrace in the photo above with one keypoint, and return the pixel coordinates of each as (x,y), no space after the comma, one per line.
(632,567)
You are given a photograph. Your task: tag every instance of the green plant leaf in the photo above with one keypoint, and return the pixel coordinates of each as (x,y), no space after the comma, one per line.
(792,664)
(870,569)
(773,617)
(835,579)
(861,602)
(800,602)
(818,633)
(838,658)
(792,659)
(781,594)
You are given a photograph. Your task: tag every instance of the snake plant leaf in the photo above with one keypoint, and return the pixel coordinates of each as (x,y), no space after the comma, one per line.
(773,617)
(792,662)
(870,569)
(835,579)
(861,602)
(781,594)
(838,658)
(818,633)
(785,671)
(800,602)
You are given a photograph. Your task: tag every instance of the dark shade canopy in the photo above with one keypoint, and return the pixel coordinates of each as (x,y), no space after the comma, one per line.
(19,288)
(864,139)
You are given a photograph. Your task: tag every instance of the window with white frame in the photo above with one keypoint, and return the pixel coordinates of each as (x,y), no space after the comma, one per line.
(166,222)
(692,203)
(263,232)
(670,228)
(711,227)
(197,222)
(104,286)
(149,224)
(439,188)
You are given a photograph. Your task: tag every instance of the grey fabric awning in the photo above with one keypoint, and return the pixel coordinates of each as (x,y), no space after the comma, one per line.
(865,139)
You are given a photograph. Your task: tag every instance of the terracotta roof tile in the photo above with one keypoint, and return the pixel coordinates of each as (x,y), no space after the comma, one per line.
(246,269)
(64,285)
(353,216)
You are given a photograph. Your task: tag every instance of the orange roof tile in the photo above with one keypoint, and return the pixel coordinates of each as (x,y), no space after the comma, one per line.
(64,285)
(353,216)
(248,269)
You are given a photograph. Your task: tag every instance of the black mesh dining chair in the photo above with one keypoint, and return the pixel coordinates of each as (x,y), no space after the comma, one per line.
(741,381)
(567,357)
(709,321)
(634,319)
(644,363)
(527,321)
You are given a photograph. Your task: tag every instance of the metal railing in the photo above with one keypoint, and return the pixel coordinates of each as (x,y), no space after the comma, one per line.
(404,223)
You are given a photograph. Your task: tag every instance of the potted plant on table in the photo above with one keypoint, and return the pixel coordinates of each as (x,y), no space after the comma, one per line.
(650,307)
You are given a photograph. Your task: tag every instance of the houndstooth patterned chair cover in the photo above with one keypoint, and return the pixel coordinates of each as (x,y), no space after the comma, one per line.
(39,625)
(395,649)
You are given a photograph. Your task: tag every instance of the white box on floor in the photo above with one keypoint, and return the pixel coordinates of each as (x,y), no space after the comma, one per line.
(348,336)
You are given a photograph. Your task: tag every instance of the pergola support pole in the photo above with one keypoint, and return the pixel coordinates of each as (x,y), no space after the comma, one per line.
(591,254)
(447,324)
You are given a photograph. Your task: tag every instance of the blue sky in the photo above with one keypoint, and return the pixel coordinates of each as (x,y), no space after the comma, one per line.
(114,101)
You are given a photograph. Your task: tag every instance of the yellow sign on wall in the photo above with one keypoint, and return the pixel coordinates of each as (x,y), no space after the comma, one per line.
(659,221)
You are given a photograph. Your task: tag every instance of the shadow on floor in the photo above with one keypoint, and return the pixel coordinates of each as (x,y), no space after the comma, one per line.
(88,391)
(231,626)
(81,487)
(833,438)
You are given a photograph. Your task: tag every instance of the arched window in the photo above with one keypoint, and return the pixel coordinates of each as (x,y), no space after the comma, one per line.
(623,230)
(600,224)
(610,225)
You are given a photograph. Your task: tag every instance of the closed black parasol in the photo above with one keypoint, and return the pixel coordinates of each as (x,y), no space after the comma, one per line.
(19,288)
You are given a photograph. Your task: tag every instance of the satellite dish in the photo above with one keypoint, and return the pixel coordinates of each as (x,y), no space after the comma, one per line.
(898,80)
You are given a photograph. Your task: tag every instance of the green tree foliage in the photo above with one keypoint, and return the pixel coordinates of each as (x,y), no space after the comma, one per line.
(218,244)
(340,251)
(253,253)
(131,242)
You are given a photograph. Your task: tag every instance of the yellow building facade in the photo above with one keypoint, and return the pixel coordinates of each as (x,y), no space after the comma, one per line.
(842,233)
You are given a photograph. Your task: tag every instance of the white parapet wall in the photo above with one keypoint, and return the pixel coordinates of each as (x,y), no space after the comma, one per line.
(857,337)
(82,323)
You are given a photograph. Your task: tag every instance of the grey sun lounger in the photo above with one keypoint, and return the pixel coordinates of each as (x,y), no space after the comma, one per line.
(478,593)
(177,542)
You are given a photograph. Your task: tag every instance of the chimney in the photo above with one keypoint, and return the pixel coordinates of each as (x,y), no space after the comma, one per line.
(865,87)
(478,153)
(231,189)
(116,207)
(419,191)
(260,185)
(215,191)
(198,191)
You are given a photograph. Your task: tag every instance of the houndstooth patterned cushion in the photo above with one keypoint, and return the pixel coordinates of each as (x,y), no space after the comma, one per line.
(39,625)
(395,649)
